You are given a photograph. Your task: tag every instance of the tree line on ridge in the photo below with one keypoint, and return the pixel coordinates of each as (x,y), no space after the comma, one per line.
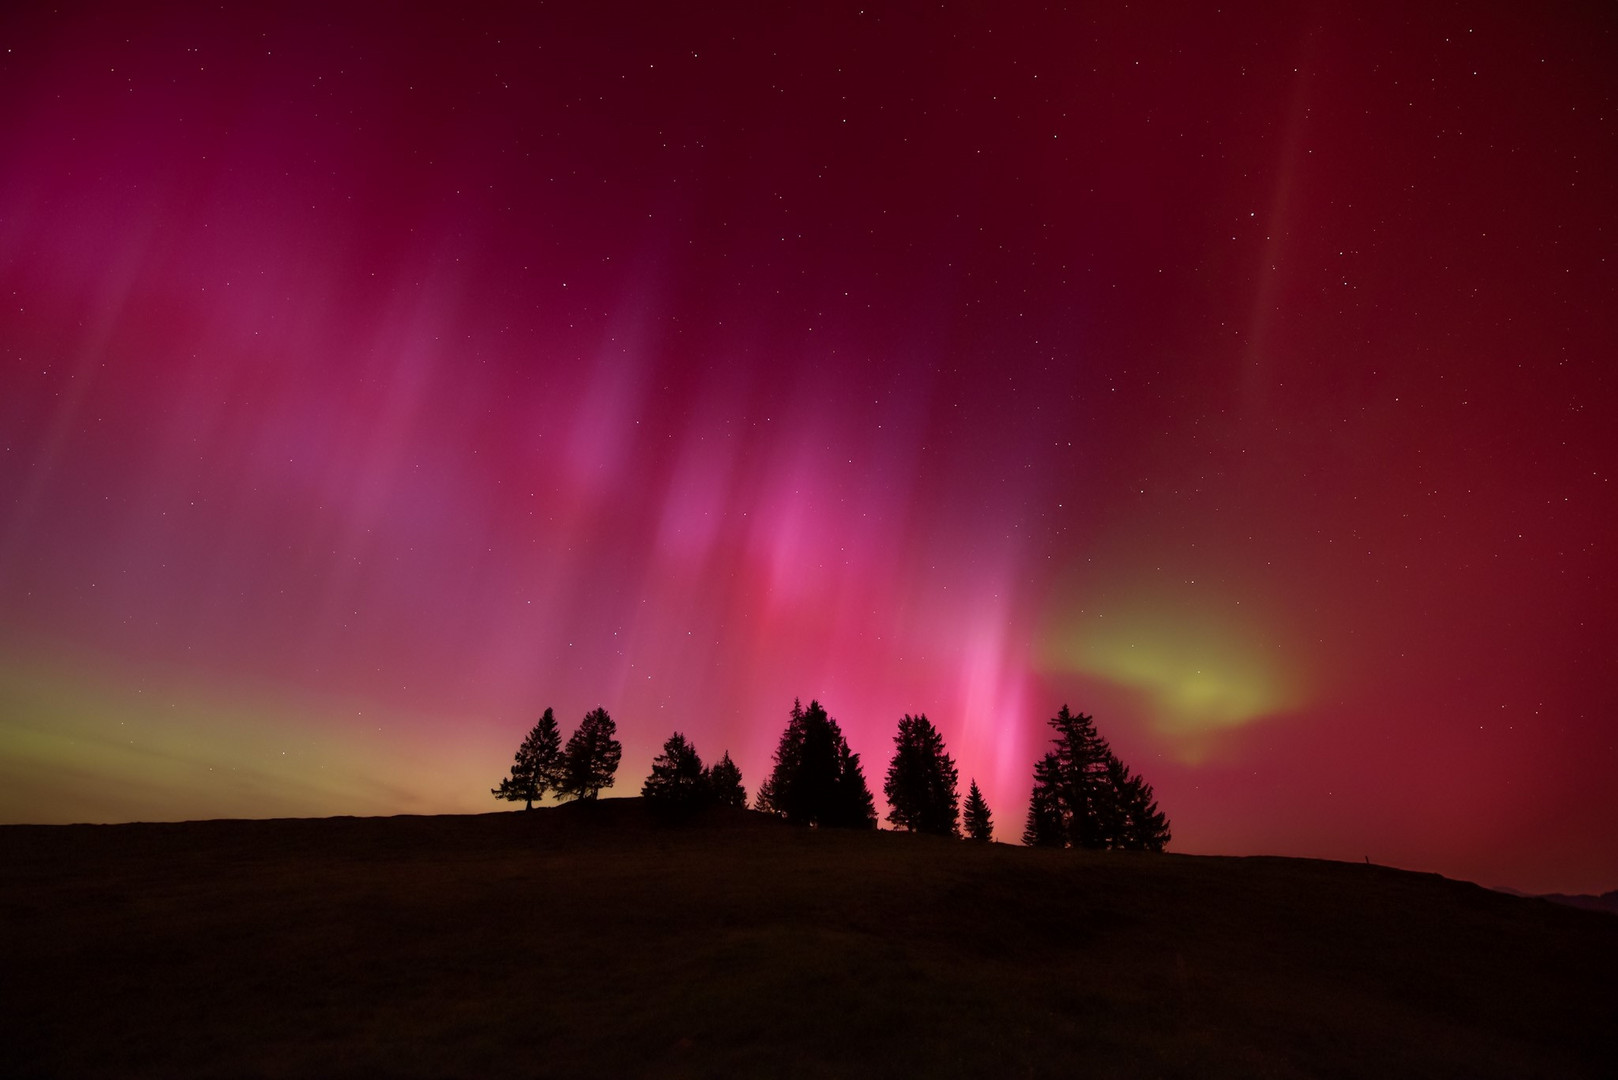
(1084,796)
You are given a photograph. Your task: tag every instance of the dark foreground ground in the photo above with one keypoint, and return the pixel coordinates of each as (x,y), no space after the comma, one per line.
(588,941)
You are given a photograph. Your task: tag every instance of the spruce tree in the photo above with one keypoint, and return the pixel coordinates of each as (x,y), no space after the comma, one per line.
(920,786)
(725,783)
(1046,825)
(678,781)
(537,768)
(1084,796)
(1142,826)
(1089,797)
(591,756)
(855,809)
(817,779)
(978,824)
(772,794)
(812,791)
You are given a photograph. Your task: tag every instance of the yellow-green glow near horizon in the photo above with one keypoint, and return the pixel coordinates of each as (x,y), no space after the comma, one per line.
(124,747)
(1197,674)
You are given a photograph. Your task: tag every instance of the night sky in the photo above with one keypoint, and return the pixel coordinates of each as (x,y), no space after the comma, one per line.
(1244,377)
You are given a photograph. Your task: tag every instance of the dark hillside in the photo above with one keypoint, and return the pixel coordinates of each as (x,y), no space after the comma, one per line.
(1607,901)
(590,940)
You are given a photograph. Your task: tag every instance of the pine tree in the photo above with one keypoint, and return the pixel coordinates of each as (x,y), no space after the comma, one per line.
(1046,825)
(678,781)
(1111,811)
(978,824)
(817,779)
(920,785)
(855,807)
(1142,826)
(591,757)
(1085,795)
(537,768)
(772,794)
(725,783)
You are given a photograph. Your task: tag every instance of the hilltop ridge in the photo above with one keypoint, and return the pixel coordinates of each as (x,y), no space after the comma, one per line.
(594,939)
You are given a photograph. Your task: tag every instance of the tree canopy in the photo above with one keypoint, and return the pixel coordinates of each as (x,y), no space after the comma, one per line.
(678,780)
(1138,824)
(1046,825)
(976,813)
(591,758)
(817,778)
(537,768)
(725,783)
(920,785)
(1084,796)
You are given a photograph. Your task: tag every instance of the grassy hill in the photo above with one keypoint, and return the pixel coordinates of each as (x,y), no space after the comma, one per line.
(589,940)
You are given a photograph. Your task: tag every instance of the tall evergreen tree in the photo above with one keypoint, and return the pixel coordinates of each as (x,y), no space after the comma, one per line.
(1046,825)
(725,783)
(1088,797)
(678,781)
(772,793)
(1142,826)
(1084,796)
(537,768)
(591,757)
(855,807)
(920,786)
(978,824)
(817,779)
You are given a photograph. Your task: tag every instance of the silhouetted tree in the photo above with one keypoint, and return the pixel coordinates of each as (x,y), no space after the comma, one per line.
(678,781)
(1141,825)
(591,757)
(921,779)
(1086,795)
(772,793)
(1046,827)
(725,783)
(537,768)
(978,825)
(855,807)
(817,779)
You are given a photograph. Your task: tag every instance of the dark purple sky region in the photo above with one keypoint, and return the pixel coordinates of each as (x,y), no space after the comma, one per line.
(371,380)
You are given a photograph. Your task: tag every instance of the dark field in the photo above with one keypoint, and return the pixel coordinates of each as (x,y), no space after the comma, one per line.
(588,941)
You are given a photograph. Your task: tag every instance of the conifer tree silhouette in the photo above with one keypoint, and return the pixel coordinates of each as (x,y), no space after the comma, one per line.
(772,793)
(1141,825)
(591,758)
(725,783)
(976,812)
(678,781)
(920,785)
(537,768)
(1084,796)
(855,807)
(1046,826)
(817,779)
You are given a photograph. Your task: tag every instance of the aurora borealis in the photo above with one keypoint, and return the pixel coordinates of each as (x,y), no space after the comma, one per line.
(1243,377)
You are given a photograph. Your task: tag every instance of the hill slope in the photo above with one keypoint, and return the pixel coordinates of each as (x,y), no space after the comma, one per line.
(588,940)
